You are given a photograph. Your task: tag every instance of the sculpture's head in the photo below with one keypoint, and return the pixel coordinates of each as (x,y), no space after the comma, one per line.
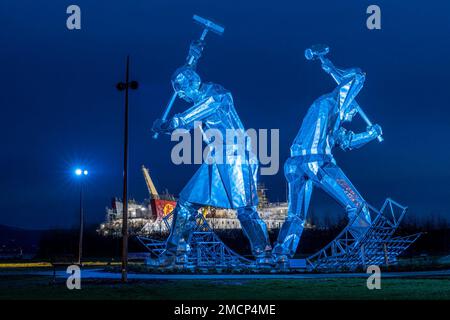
(186,83)
(351,84)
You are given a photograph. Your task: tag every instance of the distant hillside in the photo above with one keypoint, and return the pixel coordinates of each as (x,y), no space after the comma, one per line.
(28,240)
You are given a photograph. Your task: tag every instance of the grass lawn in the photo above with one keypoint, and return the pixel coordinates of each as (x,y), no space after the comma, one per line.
(40,287)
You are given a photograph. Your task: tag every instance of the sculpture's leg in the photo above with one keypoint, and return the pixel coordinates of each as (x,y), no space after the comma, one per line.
(333,180)
(183,223)
(300,189)
(255,230)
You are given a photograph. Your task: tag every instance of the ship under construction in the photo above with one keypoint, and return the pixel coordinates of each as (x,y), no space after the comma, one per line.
(147,218)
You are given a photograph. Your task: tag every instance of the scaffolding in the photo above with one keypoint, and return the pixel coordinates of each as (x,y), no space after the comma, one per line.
(206,250)
(377,245)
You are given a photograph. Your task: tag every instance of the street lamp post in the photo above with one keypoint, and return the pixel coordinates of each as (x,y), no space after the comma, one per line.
(80,173)
(124,86)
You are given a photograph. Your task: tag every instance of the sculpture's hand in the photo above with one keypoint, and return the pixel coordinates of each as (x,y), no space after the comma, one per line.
(196,49)
(158,126)
(165,126)
(375,130)
(327,66)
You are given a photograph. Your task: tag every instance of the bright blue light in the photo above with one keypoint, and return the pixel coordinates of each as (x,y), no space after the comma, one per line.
(81,172)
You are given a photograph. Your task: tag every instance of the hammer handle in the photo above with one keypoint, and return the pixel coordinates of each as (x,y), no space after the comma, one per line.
(367,120)
(166,112)
(202,38)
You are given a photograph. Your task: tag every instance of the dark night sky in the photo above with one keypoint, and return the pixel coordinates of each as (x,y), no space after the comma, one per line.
(60,107)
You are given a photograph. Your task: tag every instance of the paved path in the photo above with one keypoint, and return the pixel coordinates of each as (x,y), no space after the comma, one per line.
(99,274)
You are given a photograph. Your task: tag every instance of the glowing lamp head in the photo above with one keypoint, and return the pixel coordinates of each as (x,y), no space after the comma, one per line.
(78,172)
(85,172)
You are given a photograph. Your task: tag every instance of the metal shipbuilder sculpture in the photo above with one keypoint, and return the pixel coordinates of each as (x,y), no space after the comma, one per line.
(230,183)
(312,162)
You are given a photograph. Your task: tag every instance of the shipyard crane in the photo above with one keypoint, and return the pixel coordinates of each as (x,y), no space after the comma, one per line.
(149,182)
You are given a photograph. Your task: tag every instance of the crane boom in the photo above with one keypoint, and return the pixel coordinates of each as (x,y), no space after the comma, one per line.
(148,181)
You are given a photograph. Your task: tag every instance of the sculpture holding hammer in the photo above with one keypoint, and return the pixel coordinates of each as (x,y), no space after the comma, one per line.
(231,183)
(195,51)
(312,162)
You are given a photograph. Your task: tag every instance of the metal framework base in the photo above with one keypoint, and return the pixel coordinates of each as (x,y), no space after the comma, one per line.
(377,246)
(347,252)
(206,250)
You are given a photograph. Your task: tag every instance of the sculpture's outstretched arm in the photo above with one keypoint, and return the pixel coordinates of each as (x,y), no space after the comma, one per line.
(185,120)
(349,140)
(198,112)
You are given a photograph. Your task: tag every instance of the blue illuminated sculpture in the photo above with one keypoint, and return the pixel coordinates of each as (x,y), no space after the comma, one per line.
(230,183)
(312,162)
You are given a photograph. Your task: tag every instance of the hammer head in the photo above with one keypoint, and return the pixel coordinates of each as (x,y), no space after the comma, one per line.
(316,51)
(207,24)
